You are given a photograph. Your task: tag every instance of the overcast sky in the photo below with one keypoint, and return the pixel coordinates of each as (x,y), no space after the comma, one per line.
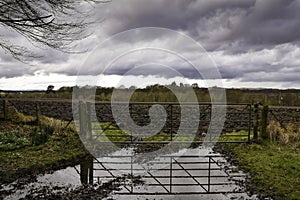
(253,44)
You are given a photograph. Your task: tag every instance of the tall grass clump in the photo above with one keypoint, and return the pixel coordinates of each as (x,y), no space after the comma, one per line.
(59,126)
(15,116)
(287,136)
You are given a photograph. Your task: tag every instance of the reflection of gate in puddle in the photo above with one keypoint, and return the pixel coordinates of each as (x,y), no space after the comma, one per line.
(186,175)
(86,171)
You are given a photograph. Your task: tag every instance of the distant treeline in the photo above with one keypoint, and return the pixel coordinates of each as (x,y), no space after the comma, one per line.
(160,93)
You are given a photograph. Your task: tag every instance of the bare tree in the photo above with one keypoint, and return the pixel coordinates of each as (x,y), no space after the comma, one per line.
(54,23)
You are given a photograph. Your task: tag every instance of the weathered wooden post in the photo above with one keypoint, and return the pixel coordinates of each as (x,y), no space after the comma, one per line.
(5,110)
(82,118)
(264,122)
(89,122)
(83,173)
(255,122)
(85,119)
(38,114)
(87,171)
(171,128)
(249,122)
(91,170)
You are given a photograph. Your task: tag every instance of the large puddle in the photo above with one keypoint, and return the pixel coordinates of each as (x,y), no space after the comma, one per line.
(191,174)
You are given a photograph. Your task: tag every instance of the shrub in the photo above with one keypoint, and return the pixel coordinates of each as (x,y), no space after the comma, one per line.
(41,135)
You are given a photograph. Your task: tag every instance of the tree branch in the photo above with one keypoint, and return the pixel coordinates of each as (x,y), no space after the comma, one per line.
(54,23)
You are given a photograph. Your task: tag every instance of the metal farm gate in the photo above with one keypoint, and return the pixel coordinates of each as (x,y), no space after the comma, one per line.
(237,127)
(189,174)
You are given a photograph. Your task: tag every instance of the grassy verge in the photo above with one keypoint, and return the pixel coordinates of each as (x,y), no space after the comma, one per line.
(274,165)
(27,150)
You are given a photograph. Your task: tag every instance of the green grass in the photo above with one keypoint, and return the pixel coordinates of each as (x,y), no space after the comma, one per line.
(28,149)
(274,168)
(236,136)
(13,140)
(58,150)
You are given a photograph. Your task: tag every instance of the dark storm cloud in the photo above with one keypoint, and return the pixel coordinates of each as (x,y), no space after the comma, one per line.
(250,40)
(269,22)
(244,37)
(233,24)
(174,14)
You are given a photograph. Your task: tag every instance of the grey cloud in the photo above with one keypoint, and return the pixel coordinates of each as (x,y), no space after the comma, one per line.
(51,56)
(174,14)
(269,65)
(9,70)
(271,77)
(250,40)
(236,25)
(269,22)
(231,72)
(43,55)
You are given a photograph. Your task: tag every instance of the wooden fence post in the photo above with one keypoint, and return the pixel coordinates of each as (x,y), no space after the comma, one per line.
(255,122)
(86,171)
(249,122)
(84,118)
(5,110)
(38,114)
(91,170)
(89,122)
(264,122)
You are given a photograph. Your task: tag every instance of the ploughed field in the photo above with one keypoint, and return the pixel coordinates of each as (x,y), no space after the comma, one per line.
(238,117)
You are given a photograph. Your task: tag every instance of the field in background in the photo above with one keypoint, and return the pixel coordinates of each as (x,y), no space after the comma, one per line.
(159,93)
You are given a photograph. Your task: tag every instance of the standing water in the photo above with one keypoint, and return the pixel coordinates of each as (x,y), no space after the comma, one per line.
(188,174)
